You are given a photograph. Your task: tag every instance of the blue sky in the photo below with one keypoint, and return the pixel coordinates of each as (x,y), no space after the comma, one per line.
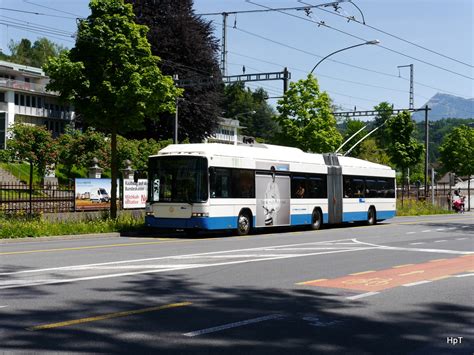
(360,77)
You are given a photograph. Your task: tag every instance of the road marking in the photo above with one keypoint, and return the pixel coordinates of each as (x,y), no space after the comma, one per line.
(417,243)
(89,247)
(363,272)
(440,241)
(107,316)
(363,295)
(465,275)
(233,325)
(399,266)
(440,229)
(412,273)
(461,238)
(411,232)
(312,281)
(171,268)
(409,275)
(3,306)
(426,231)
(436,260)
(417,283)
(441,251)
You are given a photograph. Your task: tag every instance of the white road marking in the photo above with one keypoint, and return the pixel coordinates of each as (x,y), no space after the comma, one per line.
(7,284)
(233,325)
(440,241)
(441,251)
(367,294)
(3,306)
(426,231)
(461,238)
(411,232)
(417,243)
(417,283)
(440,229)
(465,275)
(73,267)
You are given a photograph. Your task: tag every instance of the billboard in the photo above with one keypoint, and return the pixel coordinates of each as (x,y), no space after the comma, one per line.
(135,193)
(92,194)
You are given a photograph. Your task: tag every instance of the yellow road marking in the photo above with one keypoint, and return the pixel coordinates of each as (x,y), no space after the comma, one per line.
(107,316)
(399,266)
(362,273)
(309,282)
(440,278)
(412,273)
(89,247)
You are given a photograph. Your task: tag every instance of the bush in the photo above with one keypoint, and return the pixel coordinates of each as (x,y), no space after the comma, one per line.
(418,208)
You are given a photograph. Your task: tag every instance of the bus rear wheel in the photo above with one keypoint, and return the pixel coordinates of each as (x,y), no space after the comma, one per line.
(371,217)
(316,220)
(244,223)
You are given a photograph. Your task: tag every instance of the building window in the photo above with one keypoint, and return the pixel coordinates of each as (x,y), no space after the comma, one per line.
(2,97)
(22,100)
(28,101)
(17,99)
(33,101)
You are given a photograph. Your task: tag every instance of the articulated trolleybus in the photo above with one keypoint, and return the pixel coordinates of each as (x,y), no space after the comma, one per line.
(241,187)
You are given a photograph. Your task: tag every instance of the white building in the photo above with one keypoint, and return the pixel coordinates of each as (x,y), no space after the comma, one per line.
(24,99)
(228,132)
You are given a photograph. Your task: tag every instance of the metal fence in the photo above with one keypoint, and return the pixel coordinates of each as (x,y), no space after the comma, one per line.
(50,198)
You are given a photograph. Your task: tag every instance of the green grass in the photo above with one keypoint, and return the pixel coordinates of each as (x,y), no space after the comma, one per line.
(418,208)
(21,226)
(21,171)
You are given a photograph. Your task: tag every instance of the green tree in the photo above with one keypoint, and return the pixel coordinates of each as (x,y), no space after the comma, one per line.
(251,109)
(384,112)
(111,76)
(404,150)
(36,55)
(35,145)
(186,43)
(353,126)
(457,151)
(77,149)
(306,118)
(370,151)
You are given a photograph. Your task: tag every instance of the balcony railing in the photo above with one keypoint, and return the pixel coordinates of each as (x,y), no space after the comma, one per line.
(43,112)
(24,86)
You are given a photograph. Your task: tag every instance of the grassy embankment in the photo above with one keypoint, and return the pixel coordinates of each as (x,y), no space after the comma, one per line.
(418,208)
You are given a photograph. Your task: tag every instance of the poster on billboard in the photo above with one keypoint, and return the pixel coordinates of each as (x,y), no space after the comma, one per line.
(92,194)
(135,193)
(273,200)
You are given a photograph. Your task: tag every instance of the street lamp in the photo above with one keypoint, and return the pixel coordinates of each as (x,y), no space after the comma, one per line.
(375,41)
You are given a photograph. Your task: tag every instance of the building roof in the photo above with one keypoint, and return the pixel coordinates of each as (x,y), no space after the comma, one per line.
(26,70)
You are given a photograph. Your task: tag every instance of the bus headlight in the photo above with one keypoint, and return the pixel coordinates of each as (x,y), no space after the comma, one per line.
(200,214)
(148,209)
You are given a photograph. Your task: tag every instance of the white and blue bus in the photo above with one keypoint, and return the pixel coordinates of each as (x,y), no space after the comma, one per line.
(241,187)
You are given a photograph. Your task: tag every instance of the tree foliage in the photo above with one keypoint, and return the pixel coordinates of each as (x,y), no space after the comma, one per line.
(188,48)
(457,151)
(403,149)
(384,112)
(352,126)
(33,144)
(36,54)
(306,118)
(251,109)
(111,76)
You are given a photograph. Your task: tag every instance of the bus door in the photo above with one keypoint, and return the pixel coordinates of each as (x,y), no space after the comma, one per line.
(272,191)
(335,194)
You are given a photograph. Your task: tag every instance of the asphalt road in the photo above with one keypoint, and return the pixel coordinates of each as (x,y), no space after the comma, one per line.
(401,287)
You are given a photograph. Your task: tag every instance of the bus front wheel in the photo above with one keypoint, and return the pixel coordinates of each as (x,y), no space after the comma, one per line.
(244,223)
(316,220)
(371,216)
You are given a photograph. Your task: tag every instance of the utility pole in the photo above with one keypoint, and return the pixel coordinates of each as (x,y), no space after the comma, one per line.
(224,44)
(426,150)
(412,95)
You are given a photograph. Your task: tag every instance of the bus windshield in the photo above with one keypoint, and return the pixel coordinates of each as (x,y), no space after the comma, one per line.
(178,179)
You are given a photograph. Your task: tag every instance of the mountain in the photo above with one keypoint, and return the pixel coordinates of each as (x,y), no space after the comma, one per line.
(447,106)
